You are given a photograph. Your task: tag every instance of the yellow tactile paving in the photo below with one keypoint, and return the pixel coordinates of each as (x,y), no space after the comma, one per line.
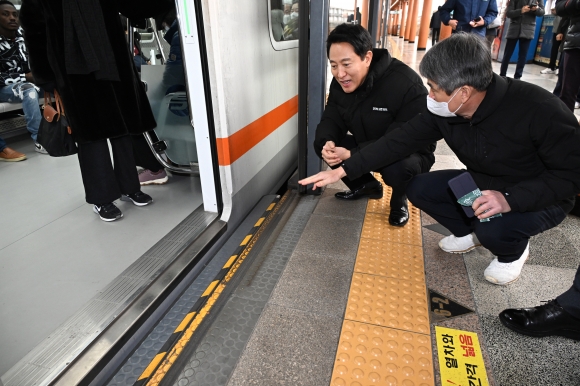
(372,355)
(383,258)
(386,338)
(376,226)
(388,302)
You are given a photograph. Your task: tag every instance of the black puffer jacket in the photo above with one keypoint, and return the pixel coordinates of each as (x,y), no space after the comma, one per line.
(391,95)
(522,141)
(570,9)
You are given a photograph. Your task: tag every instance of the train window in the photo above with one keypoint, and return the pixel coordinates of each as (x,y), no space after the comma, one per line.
(283,21)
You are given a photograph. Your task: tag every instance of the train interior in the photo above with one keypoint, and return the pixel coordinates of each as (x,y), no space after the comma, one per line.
(179,293)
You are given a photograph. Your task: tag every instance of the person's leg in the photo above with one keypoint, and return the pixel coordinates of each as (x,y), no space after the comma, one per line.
(522,54)
(2,144)
(554,52)
(431,193)
(399,174)
(507,236)
(558,89)
(143,155)
(570,300)
(97,172)
(571,79)
(125,168)
(32,114)
(437,32)
(510,45)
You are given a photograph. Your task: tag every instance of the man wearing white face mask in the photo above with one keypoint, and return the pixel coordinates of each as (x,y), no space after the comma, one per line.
(519,142)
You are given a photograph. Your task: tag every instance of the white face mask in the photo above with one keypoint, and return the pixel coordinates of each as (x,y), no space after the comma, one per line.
(442,108)
(294,15)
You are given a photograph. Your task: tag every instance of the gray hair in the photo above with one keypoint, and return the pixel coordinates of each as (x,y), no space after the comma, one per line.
(461,59)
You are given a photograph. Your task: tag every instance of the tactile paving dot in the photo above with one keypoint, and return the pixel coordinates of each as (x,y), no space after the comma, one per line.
(373,355)
(383,258)
(376,226)
(388,302)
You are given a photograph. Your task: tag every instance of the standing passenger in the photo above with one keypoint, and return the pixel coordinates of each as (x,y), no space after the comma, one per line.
(79,49)
(571,67)
(435,25)
(468,15)
(522,29)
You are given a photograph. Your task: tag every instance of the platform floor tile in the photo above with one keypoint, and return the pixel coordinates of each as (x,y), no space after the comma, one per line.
(373,355)
(376,226)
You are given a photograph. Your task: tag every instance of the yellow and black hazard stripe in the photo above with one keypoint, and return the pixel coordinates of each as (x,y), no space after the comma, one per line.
(166,356)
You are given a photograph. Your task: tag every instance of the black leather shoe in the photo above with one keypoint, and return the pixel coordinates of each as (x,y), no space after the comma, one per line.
(548,319)
(374,191)
(399,216)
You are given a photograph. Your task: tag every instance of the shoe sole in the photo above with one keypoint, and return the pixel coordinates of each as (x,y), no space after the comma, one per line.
(129,199)
(370,197)
(494,281)
(539,334)
(13,159)
(161,181)
(459,252)
(106,219)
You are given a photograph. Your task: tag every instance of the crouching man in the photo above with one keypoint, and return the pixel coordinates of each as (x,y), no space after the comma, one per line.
(519,142)
(371,95)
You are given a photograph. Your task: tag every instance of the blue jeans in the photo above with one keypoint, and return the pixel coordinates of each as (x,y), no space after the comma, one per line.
(2,145)
(507,54)
(26,94)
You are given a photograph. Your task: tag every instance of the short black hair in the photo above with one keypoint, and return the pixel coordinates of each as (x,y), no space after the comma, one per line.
(354,34)
(2,2)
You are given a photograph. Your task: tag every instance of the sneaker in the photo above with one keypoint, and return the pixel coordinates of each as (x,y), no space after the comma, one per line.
(39,149)
(10,155)
(506,273)
(463,244)
(547,71)
(557,71)
(577,105)
(139,198)
(108,212)
(147,177)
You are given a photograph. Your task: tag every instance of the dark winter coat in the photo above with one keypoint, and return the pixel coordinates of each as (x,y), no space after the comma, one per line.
(13,60)
(465,11)
(96,109)
(435,21)
(391,95)
(571,10)
(523,25)
(522,141)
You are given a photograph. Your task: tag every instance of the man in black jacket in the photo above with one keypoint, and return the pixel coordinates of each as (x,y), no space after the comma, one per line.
(571,67)
(371,95)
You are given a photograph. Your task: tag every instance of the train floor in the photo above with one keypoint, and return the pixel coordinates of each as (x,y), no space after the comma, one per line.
(334,295)
(56,254)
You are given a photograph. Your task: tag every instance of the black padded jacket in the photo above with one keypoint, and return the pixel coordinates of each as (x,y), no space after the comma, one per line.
(570,9)
(522,141)
(391,95)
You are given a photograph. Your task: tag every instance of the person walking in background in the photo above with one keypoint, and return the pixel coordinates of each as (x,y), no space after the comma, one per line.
(468,15)
(435,26)
(571,68)
(88,63)
(522,28)
(15,77)
(556,40)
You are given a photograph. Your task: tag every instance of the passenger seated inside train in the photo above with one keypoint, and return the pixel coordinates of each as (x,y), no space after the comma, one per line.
(16,79)
(371,95)
(520,143)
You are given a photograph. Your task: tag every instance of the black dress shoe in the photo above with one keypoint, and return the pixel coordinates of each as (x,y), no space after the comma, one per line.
(369,190)
(548,319)
(399,216)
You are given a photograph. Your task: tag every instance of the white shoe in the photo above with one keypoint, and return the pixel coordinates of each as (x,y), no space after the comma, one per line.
(463,244)
(39,149)
(557,70)
(547,71)
(577,105)
(506,273)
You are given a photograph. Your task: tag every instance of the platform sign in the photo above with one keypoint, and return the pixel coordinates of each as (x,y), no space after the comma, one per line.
(460,359)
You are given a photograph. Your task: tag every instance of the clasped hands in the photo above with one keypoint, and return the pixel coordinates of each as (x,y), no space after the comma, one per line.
(334,155)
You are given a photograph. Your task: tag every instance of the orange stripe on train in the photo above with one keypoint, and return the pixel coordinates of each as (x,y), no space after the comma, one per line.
(239,143)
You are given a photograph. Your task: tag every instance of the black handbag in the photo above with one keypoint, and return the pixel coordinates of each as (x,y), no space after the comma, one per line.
(55,134)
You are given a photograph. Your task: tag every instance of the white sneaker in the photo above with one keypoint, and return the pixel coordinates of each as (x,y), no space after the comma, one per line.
(557,70)
(39,149)
(577,105)
(506,273)
(463,244)
(548,71)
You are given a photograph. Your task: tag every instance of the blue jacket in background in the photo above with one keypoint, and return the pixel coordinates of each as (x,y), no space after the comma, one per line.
(466,10)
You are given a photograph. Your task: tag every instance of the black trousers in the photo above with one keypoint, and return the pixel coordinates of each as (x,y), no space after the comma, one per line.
(570,300)
(571,78)
(554,52)
(435,35)
(143,155)
(396,175)
(103,183)
(506,236)
(510,46)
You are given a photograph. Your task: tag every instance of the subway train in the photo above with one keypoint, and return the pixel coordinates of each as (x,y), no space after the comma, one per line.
(79,290)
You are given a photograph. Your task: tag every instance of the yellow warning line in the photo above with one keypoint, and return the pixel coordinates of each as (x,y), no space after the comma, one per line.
(386,335)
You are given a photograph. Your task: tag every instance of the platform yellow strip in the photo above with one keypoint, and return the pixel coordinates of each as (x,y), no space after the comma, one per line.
(147,373)
(246,240)
(260,221)
(230,261)
(386,337)
(272,205)
(184,322)
(210,288)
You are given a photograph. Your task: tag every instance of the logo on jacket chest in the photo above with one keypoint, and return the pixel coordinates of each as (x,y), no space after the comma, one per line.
(384,109)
